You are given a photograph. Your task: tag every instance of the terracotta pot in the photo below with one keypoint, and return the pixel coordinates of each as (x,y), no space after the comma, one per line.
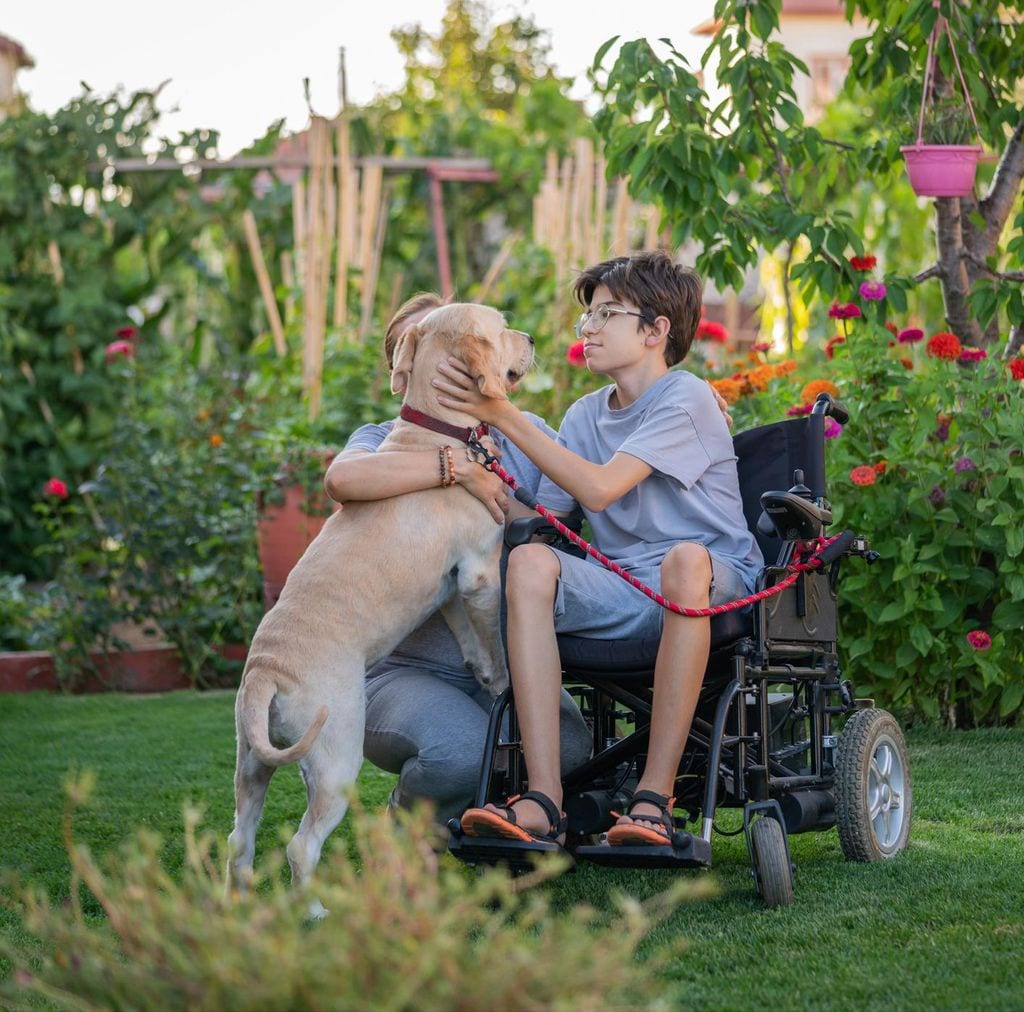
(149,669)
(941,170)
(284,531)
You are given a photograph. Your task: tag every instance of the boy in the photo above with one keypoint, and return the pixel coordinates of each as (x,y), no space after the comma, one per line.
(650,461)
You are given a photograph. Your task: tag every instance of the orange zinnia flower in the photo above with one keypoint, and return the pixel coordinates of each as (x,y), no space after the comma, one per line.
(810,392)
(863,475)
(786,367)
(216,439)
(730,389)
(760,377)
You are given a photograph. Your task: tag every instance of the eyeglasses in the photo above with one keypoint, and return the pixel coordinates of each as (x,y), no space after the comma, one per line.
(599,317)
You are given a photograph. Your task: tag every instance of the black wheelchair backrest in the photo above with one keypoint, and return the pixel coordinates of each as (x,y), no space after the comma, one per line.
(766,459)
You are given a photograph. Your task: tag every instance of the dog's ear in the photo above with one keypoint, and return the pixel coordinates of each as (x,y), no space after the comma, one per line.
(405,351)
(482,363)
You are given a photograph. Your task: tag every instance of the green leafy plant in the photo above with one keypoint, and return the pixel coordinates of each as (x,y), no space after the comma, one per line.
(403,930)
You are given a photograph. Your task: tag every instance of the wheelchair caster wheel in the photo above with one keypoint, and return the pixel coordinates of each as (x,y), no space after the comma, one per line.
(874,797)
(772,869)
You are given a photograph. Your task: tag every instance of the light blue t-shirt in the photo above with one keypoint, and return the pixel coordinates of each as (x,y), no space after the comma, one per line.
(692,494)
(432,645)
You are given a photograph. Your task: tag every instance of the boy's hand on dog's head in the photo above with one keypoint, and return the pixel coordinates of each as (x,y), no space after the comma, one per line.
(457,389)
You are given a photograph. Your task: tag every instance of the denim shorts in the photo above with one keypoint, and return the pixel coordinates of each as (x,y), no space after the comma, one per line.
(594,602)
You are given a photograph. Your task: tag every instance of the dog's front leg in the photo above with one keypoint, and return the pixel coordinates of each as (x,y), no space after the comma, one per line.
(474,616)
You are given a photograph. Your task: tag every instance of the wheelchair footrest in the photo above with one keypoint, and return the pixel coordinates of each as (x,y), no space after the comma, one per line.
(474,850)
(686,851)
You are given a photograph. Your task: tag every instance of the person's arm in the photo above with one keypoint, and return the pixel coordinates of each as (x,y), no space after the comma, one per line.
(361,475)
(593,486)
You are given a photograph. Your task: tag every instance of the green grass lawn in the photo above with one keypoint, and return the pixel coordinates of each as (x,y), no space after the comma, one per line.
(940,927)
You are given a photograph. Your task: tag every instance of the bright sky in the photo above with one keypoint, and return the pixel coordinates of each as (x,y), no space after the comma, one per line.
(238,66)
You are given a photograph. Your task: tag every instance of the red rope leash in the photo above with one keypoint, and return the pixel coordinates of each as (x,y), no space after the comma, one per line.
(794,570)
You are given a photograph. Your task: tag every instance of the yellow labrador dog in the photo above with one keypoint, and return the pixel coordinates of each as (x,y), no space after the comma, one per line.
(372,576)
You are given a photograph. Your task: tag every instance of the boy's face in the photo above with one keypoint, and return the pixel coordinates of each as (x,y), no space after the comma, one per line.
(612,332)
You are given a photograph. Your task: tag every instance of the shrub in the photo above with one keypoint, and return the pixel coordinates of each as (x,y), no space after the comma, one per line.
(404,930)
(937,624)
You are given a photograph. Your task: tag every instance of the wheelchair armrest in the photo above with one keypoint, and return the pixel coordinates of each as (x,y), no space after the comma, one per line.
(522,531)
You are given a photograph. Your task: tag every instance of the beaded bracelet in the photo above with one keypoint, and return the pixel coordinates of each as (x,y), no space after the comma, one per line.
(450,461)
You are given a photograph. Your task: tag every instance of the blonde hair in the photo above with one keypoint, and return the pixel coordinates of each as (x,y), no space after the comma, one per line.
(419,303)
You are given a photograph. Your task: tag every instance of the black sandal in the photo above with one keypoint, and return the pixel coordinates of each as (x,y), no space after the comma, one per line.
(630,834)
(483,822)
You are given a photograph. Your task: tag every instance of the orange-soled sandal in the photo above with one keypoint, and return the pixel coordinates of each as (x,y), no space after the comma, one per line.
(484,822)
(630,834)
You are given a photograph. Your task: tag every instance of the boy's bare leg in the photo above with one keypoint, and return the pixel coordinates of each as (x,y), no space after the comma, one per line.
(679,671)
(531,583)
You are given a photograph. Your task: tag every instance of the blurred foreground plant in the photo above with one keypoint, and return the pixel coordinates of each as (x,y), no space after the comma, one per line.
(404,930)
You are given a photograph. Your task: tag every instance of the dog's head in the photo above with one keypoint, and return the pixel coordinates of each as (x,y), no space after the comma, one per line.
(495,356)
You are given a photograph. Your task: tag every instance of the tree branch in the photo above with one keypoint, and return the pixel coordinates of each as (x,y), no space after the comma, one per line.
(935,271)
(1002,193)
(984,268)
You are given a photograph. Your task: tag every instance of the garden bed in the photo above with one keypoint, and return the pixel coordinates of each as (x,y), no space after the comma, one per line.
(145,669)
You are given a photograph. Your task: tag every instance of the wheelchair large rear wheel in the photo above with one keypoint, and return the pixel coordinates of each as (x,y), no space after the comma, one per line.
(770,855)
(874,797)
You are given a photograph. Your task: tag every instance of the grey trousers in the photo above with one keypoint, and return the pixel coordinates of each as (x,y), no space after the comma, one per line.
(429,727)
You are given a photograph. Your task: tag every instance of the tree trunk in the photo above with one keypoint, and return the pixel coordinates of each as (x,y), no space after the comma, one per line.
(952,270)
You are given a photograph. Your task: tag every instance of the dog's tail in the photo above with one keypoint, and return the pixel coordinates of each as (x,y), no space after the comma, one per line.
(256,693)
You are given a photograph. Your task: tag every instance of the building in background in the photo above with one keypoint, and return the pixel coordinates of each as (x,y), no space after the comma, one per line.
(12,59)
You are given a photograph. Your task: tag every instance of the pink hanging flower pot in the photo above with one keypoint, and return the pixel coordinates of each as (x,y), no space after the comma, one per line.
(941,170)
(946,165)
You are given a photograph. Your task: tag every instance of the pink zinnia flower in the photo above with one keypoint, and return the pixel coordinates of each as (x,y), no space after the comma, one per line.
(761,346)
(116,348)
(911,335)
(979,639)
(574,355)
(973,355)
(832,428)
(844,311)
(874,291)
(800,409)
(56,488)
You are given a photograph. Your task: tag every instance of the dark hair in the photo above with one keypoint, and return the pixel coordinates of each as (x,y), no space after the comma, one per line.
(657,286)
(398,323)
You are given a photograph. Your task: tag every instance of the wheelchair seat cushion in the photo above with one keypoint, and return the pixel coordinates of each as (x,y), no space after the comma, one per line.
(635,656)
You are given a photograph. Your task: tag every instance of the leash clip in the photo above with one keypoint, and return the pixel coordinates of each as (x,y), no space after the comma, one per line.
(479,450)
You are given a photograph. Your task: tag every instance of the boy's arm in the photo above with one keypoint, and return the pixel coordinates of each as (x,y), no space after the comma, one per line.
(593,486)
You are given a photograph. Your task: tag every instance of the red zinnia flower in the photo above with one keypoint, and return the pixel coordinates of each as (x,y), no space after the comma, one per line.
(844,311)
(799,409)
(126,333)
(1017,368)
(56,488)
(863,263)
(944,345)
(708,330)
(830,345)
(761,346)
(891,327)
(907,363)
(574,355)
(979,639)
(881,466)
(863,475)
(116,348)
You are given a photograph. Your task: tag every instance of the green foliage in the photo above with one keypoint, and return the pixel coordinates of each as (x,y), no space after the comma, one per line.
(404,930)
(750,174)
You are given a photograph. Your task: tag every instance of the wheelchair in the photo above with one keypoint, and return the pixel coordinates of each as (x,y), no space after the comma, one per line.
(778,731)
